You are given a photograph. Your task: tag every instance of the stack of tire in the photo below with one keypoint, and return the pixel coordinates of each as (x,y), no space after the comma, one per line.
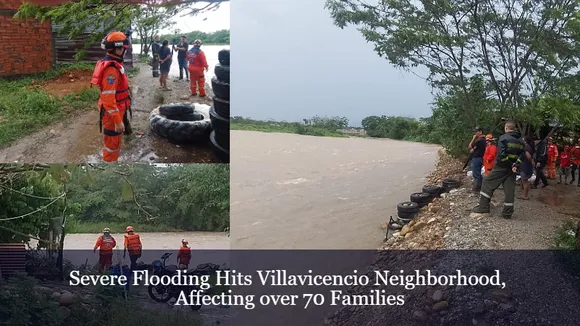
(220,112)
(406,211)
(434,191)
(449,184)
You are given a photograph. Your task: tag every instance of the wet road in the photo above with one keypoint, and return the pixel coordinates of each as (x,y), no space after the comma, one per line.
(302,192)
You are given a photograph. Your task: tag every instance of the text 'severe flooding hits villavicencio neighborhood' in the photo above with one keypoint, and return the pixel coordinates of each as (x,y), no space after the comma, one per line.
(324,285)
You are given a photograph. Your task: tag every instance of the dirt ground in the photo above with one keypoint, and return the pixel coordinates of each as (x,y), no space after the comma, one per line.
(77,139)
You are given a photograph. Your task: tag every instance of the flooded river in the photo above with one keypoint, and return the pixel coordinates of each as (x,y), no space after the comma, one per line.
(301,192)
(211,246)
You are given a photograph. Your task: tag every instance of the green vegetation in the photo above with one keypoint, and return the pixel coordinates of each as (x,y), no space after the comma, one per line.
(316,126)
(189,197)
(35,307)
(220,37)
(486,63)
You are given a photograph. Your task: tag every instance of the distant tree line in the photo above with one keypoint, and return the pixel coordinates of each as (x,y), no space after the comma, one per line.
(220,37)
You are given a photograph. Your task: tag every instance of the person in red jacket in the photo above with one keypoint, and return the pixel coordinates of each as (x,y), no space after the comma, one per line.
(197,64)
(575,157)
(184,255)
(565,163)
(115,99)
(552,157)
(105,244)
(490,153)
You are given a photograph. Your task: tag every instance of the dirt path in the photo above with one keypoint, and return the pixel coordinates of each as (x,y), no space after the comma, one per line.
(78,140)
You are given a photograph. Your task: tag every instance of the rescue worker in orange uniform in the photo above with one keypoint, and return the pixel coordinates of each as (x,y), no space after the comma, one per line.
(490,154)
(105,244)
(115,99)
(197,64)
(184,255)
(575,153)
(552,157)
(133,245)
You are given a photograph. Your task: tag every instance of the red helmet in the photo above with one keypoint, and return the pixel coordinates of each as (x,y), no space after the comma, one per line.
(129,229)
(115,40)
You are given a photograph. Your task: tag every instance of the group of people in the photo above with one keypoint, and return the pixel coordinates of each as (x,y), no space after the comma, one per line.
(193,62)
(515,155)
(132,244)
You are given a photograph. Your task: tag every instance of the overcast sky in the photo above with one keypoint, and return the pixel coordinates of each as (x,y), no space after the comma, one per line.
(290,63)
(216,20)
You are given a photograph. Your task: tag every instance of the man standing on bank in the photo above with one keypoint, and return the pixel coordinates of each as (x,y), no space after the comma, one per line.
(509,153)
(477,147)
(181,52)
(155,48)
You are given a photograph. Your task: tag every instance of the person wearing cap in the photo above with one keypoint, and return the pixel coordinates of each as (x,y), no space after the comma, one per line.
(477,148)
(508,161)
(541,159)
(490,153)
(184,255)
(133,245)
(105,244)
(552,157)
(181,49)
(575,158)
(565,164)
(197,66)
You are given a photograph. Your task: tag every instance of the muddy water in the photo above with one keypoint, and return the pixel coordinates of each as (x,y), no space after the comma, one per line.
(79,246)
(301,192)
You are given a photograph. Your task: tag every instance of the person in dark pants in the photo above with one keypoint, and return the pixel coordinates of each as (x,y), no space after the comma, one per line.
(509,153)
(133,246)
(165,58)
(181,57)
(541,159)
(527,167)
(477,147)
(155,48)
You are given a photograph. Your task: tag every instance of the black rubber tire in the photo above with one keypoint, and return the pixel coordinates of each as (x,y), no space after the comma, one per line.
(222,107)
(222,139)
(433,190)
(222,154)
(195,116)
(153,296)
(451,183)
(218,122)
(420,197)
(175,110)
(220,89)
(180,131)
(224,57)
(404,215)
(407,207)
(222,72)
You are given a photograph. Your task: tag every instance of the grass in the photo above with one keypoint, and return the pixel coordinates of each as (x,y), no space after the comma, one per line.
(116,227)
(25,109)
(238,123)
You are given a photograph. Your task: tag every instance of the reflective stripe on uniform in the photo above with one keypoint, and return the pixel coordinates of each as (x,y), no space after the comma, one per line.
(110,150)
(484,194)
(109,92)
(112,111)
(508,204)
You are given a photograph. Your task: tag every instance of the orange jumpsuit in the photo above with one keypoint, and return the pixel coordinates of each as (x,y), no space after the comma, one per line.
(184,256)
(105,244)
(552,156)
(489,157)
(196,67)
(114,102)
(575,154)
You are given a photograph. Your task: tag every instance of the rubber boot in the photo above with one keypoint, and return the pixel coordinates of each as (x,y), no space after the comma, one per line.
(483,206)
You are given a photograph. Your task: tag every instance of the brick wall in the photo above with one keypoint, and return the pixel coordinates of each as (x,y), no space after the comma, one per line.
(26,46)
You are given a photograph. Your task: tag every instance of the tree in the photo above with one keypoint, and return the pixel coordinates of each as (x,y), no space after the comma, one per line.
(150,20)
(519,49)
(101,16)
